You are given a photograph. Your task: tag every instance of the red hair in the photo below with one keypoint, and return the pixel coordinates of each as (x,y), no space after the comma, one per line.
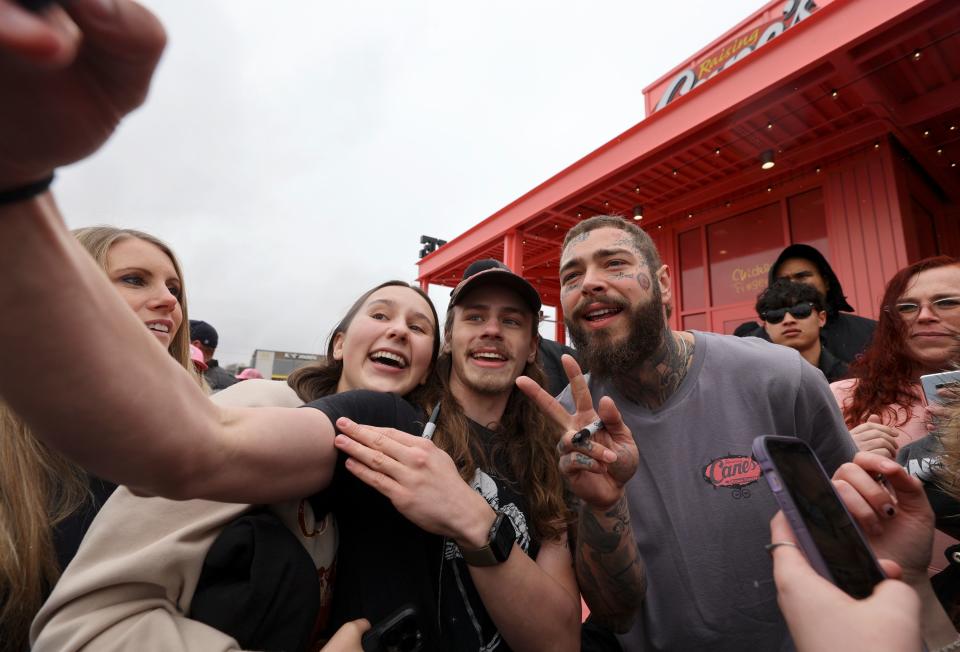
(884,372)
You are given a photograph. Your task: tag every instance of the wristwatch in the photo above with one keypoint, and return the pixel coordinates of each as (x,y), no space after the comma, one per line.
(500,543)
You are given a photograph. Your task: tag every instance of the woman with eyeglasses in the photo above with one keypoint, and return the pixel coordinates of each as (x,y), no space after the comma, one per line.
(918,333)
(883,403)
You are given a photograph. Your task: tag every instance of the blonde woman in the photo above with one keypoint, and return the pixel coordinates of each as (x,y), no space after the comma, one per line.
(46,501)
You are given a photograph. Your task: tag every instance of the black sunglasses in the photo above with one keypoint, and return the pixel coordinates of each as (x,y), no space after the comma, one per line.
(799,311)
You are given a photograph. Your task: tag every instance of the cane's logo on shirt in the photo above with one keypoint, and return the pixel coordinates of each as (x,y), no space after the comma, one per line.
(732,472)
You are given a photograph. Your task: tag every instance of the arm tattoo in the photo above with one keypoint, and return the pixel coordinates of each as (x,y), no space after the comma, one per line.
(609,569)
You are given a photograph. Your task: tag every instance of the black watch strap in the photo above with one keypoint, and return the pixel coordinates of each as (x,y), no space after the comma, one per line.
(499,544)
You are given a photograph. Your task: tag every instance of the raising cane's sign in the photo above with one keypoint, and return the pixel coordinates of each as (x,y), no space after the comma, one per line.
(764,27)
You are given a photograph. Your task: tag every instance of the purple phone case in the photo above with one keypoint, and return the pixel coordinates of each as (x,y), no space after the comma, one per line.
(780,493)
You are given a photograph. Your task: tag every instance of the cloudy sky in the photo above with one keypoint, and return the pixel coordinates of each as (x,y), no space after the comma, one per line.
(292,152)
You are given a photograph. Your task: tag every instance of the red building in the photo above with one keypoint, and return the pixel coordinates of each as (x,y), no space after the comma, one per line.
(856,101)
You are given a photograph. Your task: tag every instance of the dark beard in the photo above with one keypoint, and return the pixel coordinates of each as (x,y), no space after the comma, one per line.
(606,358)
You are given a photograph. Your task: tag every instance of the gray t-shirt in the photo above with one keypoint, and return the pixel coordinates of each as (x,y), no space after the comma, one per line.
(699,508)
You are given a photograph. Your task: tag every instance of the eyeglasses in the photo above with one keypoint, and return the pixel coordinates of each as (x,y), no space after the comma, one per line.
(799,311)
(941,307)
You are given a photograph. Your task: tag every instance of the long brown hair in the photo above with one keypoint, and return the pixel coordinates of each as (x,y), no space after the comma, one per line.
(40,488)
(885,371)
(525,443)
(321,379)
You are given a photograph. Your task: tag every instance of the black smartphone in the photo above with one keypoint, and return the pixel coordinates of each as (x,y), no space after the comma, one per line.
(398,632)
(35,5)
(825,531)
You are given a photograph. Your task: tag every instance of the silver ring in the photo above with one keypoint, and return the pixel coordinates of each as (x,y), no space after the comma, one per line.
(776,544)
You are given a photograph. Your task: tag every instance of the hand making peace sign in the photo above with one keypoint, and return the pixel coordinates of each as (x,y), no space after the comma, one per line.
(598,467)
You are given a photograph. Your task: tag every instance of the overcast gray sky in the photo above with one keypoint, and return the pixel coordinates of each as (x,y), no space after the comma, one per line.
(292,152)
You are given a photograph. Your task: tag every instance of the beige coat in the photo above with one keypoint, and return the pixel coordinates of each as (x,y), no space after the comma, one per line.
(134,576)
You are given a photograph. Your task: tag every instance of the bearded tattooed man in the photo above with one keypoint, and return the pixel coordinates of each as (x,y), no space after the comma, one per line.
(670,535)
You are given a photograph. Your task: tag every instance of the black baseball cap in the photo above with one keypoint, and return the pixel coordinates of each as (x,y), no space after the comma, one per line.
(207,334)
(492,272)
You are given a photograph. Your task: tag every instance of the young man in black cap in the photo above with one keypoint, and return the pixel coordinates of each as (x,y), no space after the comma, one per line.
(490,487)
(204,337)
(844,334)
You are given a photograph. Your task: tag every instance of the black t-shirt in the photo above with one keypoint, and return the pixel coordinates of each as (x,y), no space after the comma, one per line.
(549,359)
(385,562)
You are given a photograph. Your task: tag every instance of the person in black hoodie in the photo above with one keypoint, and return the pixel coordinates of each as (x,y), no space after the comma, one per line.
(845,335)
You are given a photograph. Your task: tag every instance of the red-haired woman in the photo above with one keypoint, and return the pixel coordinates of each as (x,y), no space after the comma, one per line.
(918,333)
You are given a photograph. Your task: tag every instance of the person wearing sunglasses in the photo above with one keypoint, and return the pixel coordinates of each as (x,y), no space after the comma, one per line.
(846,335)
(792,315)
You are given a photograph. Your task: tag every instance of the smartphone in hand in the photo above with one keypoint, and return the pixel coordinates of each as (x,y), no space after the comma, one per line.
(34,5)
(933,382)
(825,531)
(398,632)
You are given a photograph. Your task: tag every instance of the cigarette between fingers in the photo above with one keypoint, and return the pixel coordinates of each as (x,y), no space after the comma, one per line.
(586,433)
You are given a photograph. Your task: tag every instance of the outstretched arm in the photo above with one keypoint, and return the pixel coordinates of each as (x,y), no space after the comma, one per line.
(77,365)
(610,572)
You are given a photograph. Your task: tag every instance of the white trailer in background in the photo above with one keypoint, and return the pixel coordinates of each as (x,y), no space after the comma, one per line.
(280,364)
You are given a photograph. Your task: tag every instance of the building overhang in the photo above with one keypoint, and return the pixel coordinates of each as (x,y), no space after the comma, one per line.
(848,75)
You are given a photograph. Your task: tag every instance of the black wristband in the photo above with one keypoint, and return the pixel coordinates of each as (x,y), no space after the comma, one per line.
(28,191)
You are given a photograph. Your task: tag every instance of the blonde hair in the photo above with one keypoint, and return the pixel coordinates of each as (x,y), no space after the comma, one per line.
(40,488)
(97,240)
(948,474)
